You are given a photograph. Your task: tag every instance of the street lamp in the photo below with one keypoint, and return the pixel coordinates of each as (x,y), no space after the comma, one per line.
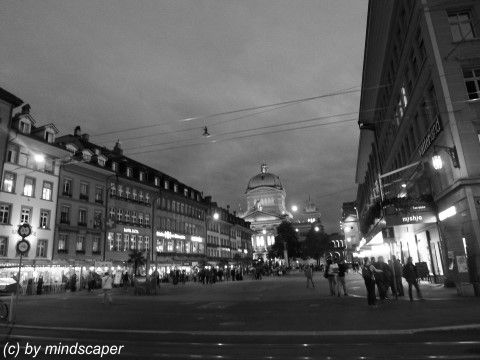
(316,228)
(39,158)
(294,208)
(216,216)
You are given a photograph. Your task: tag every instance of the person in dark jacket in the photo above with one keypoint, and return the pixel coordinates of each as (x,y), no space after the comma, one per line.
(342,269)
(383,279)
(398,276)
(410,274)
(368,273)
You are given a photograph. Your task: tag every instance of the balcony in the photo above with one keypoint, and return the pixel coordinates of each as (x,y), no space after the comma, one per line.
(82,224)
(67,193)
(83,197)
(64,220)
(62,251)
(99,201)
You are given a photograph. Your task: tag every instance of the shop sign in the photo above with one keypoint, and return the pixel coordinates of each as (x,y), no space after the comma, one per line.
(169,235)
(411,218)
(432,134)
(196,238)
(130,231)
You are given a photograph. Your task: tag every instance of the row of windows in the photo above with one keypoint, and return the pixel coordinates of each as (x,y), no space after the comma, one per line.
(220,241)
(82,217)
(40,252)
(84,191)
(181,208)
(29,186)
(128,216)
(127,192)
(127,242)
(80,243)
(178,226)
(25,216)
(218,253)
(22,158)
(179,246)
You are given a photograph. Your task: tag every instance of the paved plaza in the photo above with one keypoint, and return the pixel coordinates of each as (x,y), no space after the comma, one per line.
(274,310)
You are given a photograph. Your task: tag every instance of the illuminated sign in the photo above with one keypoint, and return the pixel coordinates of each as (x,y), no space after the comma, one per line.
(130,231)
(196,238)
(432,134)
(442,215)
(169,235)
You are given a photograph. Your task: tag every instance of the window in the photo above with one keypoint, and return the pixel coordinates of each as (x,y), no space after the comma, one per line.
(113,189)
(147,220)
(87,156)
(23,159)
(119,215)
(47,190)
(80,245)
(3,245)
(134,217)
(83,191)
(12,154)
(96,244)
(25,215)
(146,239)
(140,243)
(29,187)
(129,171)
(99,194)
(65,214)
(118,242)
(461,25)
(157,181)
(120,190)
(166,185)
(49,165)
(111,213)
(133,242)
(111,242)
(472,82)
(45,219)
(101,161)
(82,217)
(127,192)
(114,166)
(9,180)
(67,187)
(5,211)
(141,176)
(140,218)
(97,219)
(24,127)
(42,246)
(175,187)
(49,137)
(62,242)
(185,192)
(147,198)
(134,194)
(126,241)
(140,196)
(127,216)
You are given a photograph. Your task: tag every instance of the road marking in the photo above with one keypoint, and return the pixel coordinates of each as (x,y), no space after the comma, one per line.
(254,332)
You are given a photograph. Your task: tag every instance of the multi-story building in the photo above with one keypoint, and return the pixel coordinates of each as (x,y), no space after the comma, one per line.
(180,230)
(8,102)
(350,228)
(79,226)
(418,166)
(229,238)
(29,191)
(306,219)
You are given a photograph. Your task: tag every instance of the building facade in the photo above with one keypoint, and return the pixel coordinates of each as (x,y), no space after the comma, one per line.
(305,219)
(8,102)
(418,166)
(30,182)
(265,209)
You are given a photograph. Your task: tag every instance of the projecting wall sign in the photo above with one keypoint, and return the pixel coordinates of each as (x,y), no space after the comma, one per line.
(432,134)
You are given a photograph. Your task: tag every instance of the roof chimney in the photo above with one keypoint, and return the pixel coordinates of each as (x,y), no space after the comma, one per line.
(77,132)
(118,148)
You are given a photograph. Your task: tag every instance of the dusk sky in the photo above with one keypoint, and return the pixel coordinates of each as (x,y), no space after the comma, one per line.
(132,70)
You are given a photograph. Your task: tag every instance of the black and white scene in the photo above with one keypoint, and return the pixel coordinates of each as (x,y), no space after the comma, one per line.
(240,179)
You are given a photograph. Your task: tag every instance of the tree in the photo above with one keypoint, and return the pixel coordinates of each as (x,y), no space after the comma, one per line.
(136,258)
(286,234)
(316,244)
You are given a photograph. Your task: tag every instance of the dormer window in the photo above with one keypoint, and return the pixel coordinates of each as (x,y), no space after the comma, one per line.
(129,171)
(166,185)
(101,160)
(175,188)
(185,192)
(72,148)
(87,155)
(157,181)
(49,137)
(141,176)
(114,166)
(24,127)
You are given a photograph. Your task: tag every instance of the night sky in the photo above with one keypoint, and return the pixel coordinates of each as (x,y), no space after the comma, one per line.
(143,66)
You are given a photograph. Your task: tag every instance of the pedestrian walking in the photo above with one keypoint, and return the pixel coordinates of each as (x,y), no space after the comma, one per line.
(410,274)
(107,284)
(383,279)
(342,270)
(331,272)
(398,276)
(309,275)
(369,272)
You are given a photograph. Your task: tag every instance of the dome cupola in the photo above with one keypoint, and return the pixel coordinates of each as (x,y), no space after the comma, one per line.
(264,179)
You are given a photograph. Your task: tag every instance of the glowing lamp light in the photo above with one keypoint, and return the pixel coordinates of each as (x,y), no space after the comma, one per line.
(296,230)
(216,216)
(442,215)
(39,158)
(347,229)
(404,185)
(437,162)
(294,208)
(317,229)
(264,231)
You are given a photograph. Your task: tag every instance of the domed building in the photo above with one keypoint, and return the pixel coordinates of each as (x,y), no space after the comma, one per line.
(265,209)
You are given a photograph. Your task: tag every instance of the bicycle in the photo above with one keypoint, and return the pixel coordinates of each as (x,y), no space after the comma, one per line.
(3,310)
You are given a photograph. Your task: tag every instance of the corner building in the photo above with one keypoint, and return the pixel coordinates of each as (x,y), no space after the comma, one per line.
(418,166)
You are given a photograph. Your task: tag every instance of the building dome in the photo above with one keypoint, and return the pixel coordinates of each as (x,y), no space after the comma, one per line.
(264,179)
